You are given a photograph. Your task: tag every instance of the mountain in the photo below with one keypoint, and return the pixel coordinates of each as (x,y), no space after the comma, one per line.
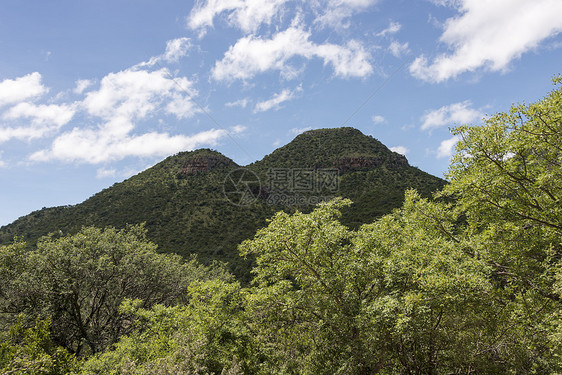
(372,176)
(203,203)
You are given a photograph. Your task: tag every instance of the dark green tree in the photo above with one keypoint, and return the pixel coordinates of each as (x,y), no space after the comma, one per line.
(80,281)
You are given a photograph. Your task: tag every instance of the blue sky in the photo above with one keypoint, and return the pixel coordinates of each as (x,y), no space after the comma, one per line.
(92,92)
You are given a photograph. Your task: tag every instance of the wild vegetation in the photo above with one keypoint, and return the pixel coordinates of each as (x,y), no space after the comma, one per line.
(468,283)
(188,214)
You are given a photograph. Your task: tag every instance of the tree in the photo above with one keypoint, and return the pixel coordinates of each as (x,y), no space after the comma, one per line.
(208,335)
(80,281)
(397,296)
(506,178)
(31,351)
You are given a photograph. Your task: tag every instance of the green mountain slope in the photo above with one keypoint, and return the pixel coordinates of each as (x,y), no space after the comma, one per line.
(187,199)
(371,175)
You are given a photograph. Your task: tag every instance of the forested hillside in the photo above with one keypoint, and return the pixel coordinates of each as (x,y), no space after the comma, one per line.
(468,283)
(182,201)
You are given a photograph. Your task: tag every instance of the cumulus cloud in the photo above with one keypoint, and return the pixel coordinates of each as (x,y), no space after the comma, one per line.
(111,114)
(23,132)
(252,55)
(277,99)
(40,114)
(398,49)
(247,15)
(378,119)
(96,146)
(133,94)
(105,173)
(336,13)
(22,88)
(400,150)
(122,100)
(236,129)
(82,85)
(175,49)
(457,113)
(446,147)
(489,35)
(297,131)
(40,120)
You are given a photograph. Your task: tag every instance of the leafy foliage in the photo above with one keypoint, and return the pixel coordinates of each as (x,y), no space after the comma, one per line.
(81,280)
(507,179)
(32,352)
(207,335)
(391,297)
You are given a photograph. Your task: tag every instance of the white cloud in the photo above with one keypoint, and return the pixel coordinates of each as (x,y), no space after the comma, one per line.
(44,119)
(252,55)
(105,173)
(21,88)
(446,147)
(82,85)
(238,103)
(97,146)
(2,163)
(111,114)
(176,49)
(41,113)
(378,119)
(400,150)
(398,49)
(133,94)
(489,35)
(457,113)
(277,99)
(23,132)
(393,28)
(236,129)
(122,100)
(336,13)
(247,15)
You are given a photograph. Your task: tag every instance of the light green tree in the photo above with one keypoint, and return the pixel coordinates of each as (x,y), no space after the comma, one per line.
(208,335)
(506,178)
(399,295)
(30,351)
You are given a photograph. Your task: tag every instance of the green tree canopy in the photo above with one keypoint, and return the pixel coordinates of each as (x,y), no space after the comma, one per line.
(80,281)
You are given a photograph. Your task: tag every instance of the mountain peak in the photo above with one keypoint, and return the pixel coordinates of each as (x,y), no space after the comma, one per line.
(204,160)
(343,148)
(189,163)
